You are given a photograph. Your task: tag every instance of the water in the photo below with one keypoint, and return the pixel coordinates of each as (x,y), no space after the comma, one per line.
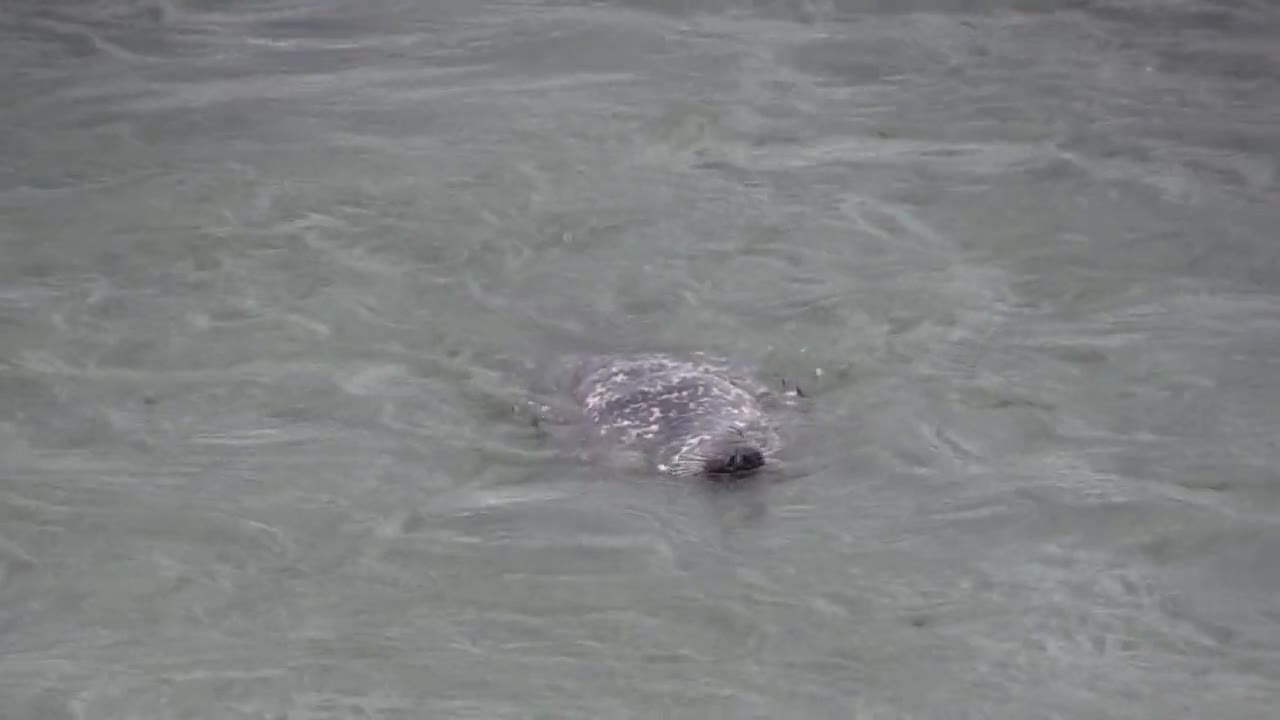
(268,267)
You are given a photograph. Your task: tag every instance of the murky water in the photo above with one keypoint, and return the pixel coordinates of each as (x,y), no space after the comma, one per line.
(265,267)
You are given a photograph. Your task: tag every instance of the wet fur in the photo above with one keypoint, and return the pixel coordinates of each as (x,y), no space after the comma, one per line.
(687,416)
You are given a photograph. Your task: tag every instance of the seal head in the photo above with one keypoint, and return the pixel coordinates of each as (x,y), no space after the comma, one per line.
(688,416)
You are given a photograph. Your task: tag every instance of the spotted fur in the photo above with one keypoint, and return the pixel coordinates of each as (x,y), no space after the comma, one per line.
(689,416)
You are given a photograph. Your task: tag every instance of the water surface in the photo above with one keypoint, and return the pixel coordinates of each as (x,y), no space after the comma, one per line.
(265,267)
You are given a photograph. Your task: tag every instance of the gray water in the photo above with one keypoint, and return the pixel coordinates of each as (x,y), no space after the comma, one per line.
(268,270)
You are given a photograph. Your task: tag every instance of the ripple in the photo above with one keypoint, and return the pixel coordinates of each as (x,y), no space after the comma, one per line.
(259,261)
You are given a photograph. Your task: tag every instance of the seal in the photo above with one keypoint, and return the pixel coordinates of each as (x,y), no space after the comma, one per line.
(696,416)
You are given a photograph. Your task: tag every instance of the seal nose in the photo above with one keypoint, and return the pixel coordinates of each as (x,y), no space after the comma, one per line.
(739,460)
